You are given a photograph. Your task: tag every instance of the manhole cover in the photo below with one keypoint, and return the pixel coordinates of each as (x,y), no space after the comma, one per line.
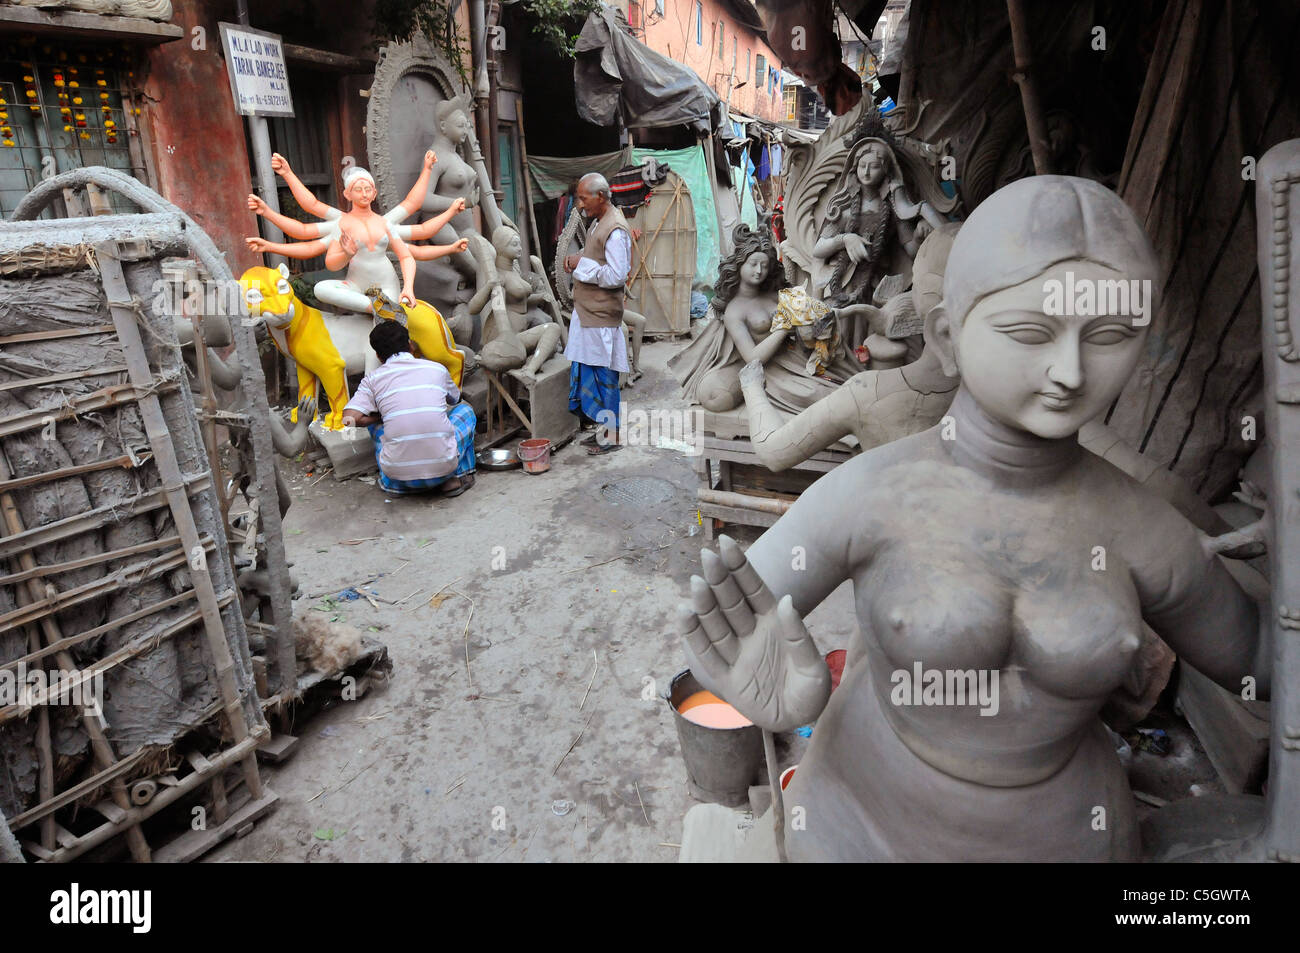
(638,491)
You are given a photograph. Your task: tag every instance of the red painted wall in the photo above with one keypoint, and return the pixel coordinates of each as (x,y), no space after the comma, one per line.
(197,137)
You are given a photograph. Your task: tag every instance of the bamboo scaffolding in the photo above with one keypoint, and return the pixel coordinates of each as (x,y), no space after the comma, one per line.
(72,641)
(115,396)
(134,649)
(55,335)
(55,569)
(91,520)
(103,752)
(155,425)
(76,846)
(55,601)
(56,378)
(126,462)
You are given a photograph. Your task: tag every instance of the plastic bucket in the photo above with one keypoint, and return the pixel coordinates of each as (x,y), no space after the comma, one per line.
(721,763)
(535,454)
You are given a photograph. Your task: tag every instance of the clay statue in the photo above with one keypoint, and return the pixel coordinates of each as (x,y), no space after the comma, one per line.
(453,184)
(746,301)
(871,228)
(1002,574)
(512,303)
(875,406)
(359,238)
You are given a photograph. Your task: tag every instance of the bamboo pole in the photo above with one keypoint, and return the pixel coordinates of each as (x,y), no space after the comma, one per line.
(1034,119)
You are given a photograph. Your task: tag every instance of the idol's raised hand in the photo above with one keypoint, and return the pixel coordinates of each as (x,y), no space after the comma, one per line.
(749,649)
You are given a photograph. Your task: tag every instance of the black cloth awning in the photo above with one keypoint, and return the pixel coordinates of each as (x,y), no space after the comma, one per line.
(615,69)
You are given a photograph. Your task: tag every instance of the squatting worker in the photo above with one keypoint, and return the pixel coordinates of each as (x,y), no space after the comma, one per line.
(420,444)
(597,348)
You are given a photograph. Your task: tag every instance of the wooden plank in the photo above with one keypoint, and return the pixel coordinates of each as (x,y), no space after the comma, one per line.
(114,396)
(733,514)
(336,62)
(56,378)
(57,335)
(67,23)
(54,569)
(91,519)
(125,462)
(278,748)
(192,845)
(759,504)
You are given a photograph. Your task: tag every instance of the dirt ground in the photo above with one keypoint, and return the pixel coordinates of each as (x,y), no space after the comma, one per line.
(449,764)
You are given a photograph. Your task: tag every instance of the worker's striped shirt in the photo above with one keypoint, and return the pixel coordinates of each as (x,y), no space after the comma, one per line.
(411,395)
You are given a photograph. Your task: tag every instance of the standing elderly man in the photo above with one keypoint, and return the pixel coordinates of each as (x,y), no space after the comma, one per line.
(597,349)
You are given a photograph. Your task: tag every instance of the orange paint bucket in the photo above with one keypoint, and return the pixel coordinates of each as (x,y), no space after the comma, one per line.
(535,454)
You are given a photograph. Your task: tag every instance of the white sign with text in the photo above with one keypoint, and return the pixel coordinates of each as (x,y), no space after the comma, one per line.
(258,78)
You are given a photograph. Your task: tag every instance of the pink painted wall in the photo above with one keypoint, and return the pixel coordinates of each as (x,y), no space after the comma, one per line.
(674,36)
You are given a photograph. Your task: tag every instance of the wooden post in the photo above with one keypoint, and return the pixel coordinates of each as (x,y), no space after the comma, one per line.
(1023,76)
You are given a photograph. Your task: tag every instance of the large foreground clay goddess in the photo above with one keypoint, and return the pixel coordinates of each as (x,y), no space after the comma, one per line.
(1007,553)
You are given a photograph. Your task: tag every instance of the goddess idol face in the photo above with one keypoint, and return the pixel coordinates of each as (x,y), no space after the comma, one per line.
(455,127)
(1036,366)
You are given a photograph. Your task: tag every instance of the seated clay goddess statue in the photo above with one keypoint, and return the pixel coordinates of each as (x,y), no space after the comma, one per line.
(359,239)
(522,328)
(871,228)
(750,281)
(1001,577)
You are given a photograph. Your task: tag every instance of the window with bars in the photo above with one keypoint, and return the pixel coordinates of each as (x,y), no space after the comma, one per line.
(722,38)
(64,107)
(699,23)
(760,73)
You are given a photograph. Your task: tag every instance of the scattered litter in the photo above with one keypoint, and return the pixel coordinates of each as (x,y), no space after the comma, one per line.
(572,745)
(804,731)
(1151,798)
(329,731)
(595,666)
(1152,740)
(370,481)
(1198,790)
(349,594)
(562,807)
(457,783)
(328,833)
(358,542)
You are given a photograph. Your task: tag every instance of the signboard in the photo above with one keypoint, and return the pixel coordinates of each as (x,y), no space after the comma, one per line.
(255,63)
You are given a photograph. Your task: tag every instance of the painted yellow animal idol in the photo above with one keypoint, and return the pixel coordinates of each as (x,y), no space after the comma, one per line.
(427,329)
(300,332)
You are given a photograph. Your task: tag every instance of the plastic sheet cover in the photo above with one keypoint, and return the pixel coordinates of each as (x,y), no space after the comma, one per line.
(613,68)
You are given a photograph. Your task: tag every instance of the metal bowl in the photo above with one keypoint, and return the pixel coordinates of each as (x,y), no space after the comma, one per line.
(497,459)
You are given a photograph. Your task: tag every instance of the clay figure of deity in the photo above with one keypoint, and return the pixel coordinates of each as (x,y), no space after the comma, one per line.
(453,180)
(750,281)
(874,406)
(514,324)
(871,228)
(359,239)
(1002,575)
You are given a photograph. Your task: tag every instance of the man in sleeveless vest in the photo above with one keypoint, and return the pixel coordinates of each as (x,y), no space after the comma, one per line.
(597,349)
